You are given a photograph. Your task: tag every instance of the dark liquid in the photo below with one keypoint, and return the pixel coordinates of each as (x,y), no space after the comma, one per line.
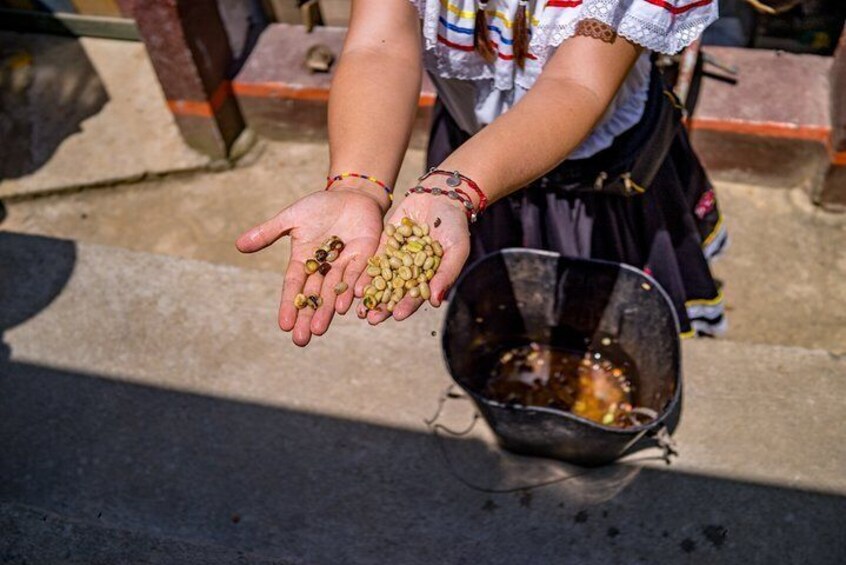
(586,384)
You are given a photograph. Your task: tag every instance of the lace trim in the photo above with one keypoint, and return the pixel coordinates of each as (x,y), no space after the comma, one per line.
(677,33)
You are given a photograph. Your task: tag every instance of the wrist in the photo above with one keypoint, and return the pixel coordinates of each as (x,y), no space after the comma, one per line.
(363,187)
(454,181)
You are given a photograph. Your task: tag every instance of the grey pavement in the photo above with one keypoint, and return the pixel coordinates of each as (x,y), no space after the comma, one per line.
(784,274)
(149,402)
(73,113)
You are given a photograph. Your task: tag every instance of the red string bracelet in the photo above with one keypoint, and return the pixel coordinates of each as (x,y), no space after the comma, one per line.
(454,180)
(459,195)
(374,180)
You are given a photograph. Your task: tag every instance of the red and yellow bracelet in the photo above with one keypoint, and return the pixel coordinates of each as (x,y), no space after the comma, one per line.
(374,180)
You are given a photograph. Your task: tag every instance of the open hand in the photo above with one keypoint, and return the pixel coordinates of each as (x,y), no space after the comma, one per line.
(355,217)
(448,225)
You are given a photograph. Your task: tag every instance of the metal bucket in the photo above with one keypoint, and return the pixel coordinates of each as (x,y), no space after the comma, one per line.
(516,296)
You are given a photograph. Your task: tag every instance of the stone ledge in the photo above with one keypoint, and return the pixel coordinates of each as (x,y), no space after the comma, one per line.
(774,127)
(281,100)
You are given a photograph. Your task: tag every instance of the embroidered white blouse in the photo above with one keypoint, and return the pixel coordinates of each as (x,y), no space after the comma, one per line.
(476,92)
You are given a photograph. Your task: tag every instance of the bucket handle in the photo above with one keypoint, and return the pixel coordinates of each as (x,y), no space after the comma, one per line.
(661,435)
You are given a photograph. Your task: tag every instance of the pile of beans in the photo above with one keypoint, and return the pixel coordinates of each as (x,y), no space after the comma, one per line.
(409,261)
(324,256)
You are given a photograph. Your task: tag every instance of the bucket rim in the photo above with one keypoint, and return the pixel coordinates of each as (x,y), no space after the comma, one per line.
(632,430)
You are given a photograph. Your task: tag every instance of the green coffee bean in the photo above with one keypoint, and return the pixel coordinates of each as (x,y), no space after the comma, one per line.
(419,258)
(436,247)
(395,262)
(369,290)
(417,231)
(429,274)
(380,283)
(414,246)
(428,263)
(386,297)
(311,266)
(390,306)
(387,274)
(414,292)
(424,227)
(397,282)
(404,273)
(373,271)
(369,302)
(425,292)
(393,243)
(390,229)
(407,260)
(341,287)
(404,230)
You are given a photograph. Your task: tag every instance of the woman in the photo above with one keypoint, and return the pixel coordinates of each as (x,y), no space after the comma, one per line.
(549,109)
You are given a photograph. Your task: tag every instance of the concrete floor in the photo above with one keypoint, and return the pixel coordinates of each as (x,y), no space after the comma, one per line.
(58,94)
(152,412)
(785,273)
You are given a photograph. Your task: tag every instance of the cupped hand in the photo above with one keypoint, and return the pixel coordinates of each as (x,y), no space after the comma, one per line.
(353,216)
(447,224)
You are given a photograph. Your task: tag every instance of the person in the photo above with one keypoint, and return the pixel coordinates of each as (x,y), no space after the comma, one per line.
(551,110)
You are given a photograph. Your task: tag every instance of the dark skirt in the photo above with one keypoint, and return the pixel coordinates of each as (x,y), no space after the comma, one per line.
(671,230)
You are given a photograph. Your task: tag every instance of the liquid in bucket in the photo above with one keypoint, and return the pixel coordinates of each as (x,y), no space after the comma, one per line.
(588,384)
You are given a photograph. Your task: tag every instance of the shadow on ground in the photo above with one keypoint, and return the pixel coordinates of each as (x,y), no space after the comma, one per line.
(48,87)
(95,469)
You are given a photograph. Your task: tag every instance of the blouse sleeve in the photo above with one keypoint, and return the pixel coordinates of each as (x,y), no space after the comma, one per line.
(664,26)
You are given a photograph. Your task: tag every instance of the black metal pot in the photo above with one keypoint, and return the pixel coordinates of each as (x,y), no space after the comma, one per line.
(516,296)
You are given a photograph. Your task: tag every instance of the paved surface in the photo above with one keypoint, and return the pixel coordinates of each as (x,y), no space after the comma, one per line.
(151,410)
(785,274)
(75,111)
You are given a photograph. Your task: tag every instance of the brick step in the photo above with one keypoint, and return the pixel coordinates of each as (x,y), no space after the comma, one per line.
(773,128)
(281,99)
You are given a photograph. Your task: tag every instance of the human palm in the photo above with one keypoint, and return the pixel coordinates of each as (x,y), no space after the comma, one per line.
(448,225)
(356,218)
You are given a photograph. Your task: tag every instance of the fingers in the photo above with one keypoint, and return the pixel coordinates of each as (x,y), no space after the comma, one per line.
(323,316)
(295,278)
(264,234)
(378,316)
(451,265)
(406,307)
(352,273)
(301,332)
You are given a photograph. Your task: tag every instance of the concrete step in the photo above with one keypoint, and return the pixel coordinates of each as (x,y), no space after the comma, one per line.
(784,274)
(83,112)
(157,394)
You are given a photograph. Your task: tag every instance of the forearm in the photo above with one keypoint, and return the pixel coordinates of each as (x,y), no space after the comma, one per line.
(550,121)
(373,103)
(529,140)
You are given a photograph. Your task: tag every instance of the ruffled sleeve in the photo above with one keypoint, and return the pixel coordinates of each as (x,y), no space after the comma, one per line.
(665,26)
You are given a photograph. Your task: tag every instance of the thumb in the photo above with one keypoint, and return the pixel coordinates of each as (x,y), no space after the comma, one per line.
(264,234)
(451,265)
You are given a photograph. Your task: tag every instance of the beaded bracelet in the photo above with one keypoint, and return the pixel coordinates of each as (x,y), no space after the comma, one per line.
(374,180)
(454,180)
(456,194)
